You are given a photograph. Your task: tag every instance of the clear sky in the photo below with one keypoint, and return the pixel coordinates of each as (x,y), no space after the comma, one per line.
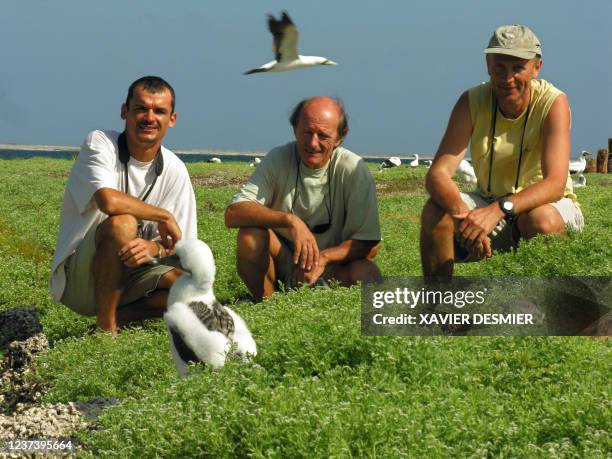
(66,65)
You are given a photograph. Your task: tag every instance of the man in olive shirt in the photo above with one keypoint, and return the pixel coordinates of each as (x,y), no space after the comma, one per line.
(309,211)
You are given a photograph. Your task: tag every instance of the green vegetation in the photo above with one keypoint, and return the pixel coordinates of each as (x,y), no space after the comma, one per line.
(318,388)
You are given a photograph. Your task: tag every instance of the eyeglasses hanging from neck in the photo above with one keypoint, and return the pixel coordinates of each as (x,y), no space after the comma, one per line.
(492,141)
(124,157)
(322,228)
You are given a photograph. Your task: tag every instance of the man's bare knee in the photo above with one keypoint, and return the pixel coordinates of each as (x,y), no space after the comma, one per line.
(373,251)
(437,240)
(365,271)
(358,271)
(118,229)
(435,218)
(168,279)
(541,220)
(251,240)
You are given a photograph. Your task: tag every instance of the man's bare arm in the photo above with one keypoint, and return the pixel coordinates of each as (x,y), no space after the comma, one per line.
(252,214)
(113,202)
(351,250)
(555,160)
(439,182)
(452,149)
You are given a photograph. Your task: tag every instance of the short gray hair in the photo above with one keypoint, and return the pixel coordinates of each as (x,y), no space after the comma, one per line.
(343,126)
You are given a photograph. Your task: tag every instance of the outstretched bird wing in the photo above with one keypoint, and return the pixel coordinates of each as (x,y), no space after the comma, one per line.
(285,37)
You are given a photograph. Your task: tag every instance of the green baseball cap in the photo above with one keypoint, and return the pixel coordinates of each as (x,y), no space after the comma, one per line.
(514,40)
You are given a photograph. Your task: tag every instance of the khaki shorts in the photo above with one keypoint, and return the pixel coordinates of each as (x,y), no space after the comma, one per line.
(79,291)
(507,235)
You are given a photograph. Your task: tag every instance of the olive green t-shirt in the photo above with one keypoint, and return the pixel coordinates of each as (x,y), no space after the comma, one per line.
(344,189)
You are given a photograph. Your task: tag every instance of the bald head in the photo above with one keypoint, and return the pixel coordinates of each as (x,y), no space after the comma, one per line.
(319,125)
(321,107)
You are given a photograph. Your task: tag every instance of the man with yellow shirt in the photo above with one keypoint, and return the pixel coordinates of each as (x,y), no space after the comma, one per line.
(518,130)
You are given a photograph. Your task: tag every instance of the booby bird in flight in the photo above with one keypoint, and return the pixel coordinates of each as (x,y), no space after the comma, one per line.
(285,47)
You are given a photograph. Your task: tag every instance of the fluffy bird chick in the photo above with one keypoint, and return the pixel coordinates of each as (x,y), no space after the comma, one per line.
(201,329)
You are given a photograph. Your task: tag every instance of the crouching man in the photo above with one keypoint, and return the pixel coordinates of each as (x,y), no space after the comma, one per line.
(518,129)
(128,200)
(309,212)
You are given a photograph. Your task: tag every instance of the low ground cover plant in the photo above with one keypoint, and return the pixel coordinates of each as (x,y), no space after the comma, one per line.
(318,387)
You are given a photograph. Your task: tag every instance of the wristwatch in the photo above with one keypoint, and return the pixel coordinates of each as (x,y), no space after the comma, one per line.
(507,208)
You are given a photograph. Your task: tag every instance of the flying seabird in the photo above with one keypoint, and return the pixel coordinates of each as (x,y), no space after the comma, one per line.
(285,48)
(201,329)
(577,167)
(414,162)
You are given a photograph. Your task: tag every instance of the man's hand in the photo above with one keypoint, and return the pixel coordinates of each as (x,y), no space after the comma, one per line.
(169,232)
(478,223)
(479,249)
(305,247)
(309,277)
(472,231)
(138,252)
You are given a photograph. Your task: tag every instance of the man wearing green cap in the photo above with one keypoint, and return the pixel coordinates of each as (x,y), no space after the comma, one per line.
(518,131)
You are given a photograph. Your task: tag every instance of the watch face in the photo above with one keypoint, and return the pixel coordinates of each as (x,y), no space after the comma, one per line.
(508,206)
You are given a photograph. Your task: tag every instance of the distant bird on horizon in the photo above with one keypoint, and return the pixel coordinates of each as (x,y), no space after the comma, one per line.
(215,160)
(255,162)
(578,167)
(388,163)
(415,161)
(285,48)
(466,172)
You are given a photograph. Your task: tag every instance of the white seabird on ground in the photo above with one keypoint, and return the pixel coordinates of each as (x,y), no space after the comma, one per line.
(578,167)
(579,182)
(285,48)
(201,329)
(466,172)
(388,163)
(215,160)
(255,162)
(415,161)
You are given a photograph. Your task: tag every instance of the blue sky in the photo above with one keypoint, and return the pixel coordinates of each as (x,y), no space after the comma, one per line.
(66,65)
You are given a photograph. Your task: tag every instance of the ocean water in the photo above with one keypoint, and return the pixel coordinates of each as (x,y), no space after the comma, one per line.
(185,157)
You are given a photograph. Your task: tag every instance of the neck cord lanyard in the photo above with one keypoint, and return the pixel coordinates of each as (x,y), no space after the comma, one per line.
(124,157)
(492,143)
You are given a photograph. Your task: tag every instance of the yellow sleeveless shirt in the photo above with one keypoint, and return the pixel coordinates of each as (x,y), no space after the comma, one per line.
(508,134)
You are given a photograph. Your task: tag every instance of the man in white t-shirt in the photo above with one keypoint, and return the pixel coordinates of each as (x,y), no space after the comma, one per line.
(309,211)
(128,200)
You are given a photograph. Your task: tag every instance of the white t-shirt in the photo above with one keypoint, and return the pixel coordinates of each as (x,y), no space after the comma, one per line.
(97,166)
